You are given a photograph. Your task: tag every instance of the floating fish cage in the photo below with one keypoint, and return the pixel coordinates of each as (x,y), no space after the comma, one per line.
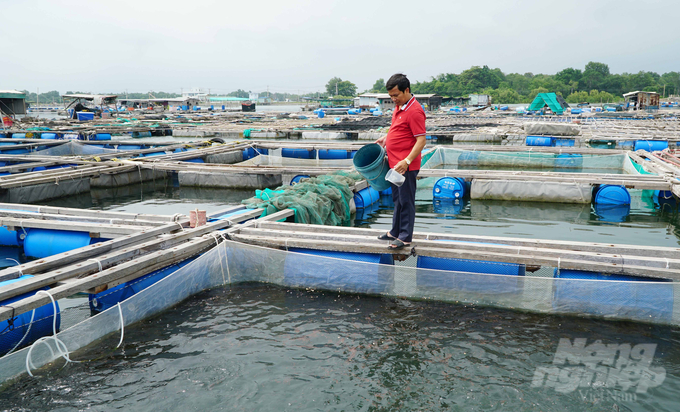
(471,281)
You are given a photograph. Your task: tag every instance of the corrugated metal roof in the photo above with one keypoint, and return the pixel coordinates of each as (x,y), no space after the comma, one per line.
(12,94)
(636,92)
(89,96)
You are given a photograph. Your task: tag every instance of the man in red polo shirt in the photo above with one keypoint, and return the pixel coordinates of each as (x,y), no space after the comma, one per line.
(404,142)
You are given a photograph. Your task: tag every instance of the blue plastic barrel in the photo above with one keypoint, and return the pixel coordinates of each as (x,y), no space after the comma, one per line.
(448,206)
(371,162)
(321,114)
(576,111)
(9,237)
(665,200)
(387,192)
(539,141)
(153,154)
(560,142)
(651,145)
(195,160)
(366,197)
(42,322)
(468,275)
(18,135)
(569,161)
(366,212)
(223,107)
(611,213)
(377,113)
(611,195)
(248,153)
(334,154)
(41,243)
(102,136)
(637,297)
(299,153)
(449,188)
(3,135)
(297,179)
(306,268)
(48,136)
(101,301)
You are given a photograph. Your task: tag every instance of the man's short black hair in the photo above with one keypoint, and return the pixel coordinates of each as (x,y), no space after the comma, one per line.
(399,80)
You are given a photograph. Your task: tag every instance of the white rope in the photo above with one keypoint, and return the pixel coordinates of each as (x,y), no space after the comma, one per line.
(18,264)
(226,256)
(667,263)
(122,326)
(180,226)
(98,263)
(559,259)
(58,343)
(219,257)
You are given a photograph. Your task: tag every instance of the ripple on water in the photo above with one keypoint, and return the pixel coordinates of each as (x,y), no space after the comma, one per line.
(260,347)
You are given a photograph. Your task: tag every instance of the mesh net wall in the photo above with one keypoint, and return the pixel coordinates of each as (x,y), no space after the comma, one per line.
(232,263)
(73,148)
(463,159)
(274,160)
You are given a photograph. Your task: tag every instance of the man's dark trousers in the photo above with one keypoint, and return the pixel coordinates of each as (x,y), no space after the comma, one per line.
(404,198)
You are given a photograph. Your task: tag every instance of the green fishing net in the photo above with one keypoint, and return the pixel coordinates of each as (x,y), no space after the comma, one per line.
(321,200)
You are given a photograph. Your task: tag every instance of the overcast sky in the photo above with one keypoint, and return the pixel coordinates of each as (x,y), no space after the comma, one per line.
(290,45)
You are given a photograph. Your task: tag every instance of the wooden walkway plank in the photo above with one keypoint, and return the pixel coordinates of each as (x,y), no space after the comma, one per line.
(606,267)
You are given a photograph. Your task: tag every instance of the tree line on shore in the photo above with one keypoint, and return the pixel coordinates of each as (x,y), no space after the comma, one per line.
(594,84)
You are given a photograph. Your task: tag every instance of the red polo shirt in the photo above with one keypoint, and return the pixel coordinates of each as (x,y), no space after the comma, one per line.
(408,122)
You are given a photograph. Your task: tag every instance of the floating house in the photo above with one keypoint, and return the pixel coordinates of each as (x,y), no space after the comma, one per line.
(638,100)
(456,101)
(163,102)
(479,100)
(553,101)
(367,101)
(88,103)
(429,101)
(12,102)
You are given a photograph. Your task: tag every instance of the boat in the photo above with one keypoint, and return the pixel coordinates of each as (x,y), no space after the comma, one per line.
(248,106)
